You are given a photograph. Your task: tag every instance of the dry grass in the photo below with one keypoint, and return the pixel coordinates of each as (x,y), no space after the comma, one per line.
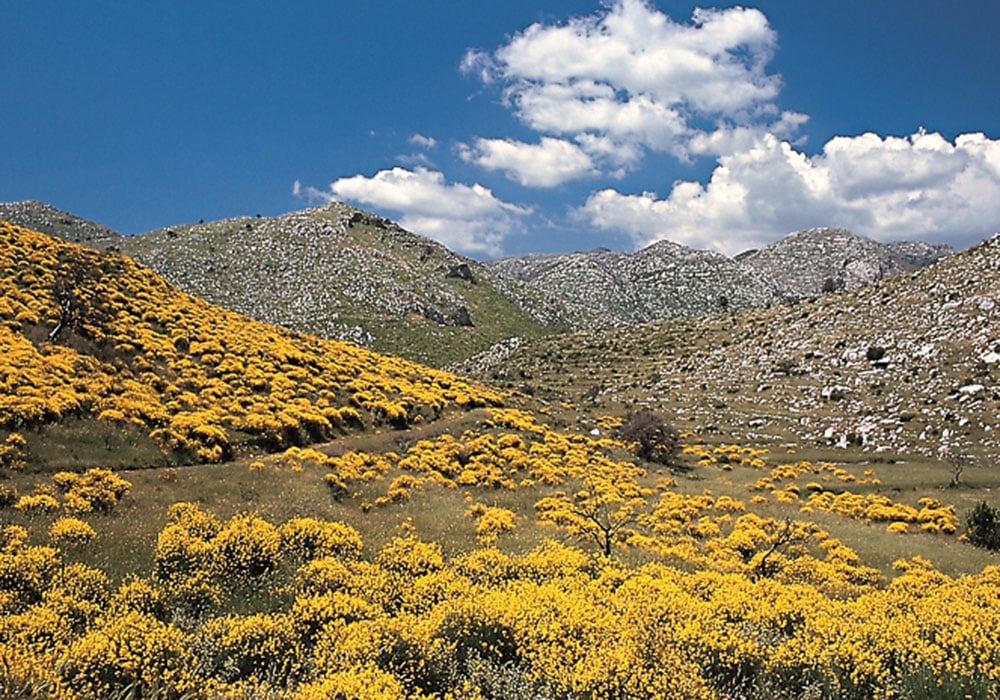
(126,536)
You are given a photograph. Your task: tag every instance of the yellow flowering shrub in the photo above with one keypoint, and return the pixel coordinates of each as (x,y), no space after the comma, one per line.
(71,531)
(139,595)
(751,603)
(365,680)
(95,490)
(491,521)
(306,539)
(135,653)
(12,452)
(254,647)
(411,556)
(245,546)
(36,503)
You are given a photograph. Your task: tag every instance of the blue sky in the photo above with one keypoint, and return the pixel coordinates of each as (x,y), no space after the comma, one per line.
(513,127)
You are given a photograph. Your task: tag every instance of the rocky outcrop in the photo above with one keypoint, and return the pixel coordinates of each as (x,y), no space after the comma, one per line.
(832,259)
(662,281)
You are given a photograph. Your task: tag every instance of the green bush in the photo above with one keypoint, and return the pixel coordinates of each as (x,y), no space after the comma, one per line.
(984,526)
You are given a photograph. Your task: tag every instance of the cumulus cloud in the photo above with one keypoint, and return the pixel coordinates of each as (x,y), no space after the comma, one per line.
(467,218)
(631,76)
(922,186)
(545,164)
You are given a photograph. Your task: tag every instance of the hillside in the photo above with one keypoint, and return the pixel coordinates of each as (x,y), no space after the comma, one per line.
(339,272)
(661,281)
(911,364)
(39,216)
(386,530)
(667,280)
(102,354)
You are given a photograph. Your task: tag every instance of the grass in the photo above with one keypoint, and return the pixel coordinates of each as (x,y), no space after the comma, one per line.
(78,443)
(126,537)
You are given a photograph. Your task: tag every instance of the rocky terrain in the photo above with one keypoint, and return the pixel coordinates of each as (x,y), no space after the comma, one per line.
(909,364)
(830,259)
(661,281)
(668,280)
(344,273)
(340,272)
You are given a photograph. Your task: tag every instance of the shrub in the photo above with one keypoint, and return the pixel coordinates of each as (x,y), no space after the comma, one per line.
(875,353)
(984,526)
(246,546)
(129,656)
(652,437)
(71,532)
(306,539)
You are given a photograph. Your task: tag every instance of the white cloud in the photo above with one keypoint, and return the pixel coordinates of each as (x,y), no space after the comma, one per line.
(918,187)
(421,141)
(480,64)
(632,75)
(467,218)
(548,163)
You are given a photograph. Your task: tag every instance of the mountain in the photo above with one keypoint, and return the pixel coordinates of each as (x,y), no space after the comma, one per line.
(43,217)
(334,271)
(340,272)
(910,364)
(661,281)
(667,280)
(829,259)
(103,360)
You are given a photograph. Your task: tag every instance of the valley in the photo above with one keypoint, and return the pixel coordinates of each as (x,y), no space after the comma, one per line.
(298,516)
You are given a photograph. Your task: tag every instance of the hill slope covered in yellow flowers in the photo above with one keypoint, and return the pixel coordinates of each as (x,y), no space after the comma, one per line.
(510,560)
(136,355)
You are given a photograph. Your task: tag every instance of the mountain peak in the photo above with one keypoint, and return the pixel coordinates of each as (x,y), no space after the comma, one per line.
(820,259)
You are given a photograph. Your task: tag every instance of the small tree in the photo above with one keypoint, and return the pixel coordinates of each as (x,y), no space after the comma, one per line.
(984,526)
(651,436)
(956,461)
(608,503)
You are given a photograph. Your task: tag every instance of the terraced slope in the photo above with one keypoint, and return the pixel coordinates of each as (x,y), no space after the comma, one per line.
(97,351)
(911,364)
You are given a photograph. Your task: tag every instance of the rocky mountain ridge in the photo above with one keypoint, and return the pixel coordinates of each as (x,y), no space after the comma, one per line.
(43,217)
(667,280)
(837,260)
(341,272)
